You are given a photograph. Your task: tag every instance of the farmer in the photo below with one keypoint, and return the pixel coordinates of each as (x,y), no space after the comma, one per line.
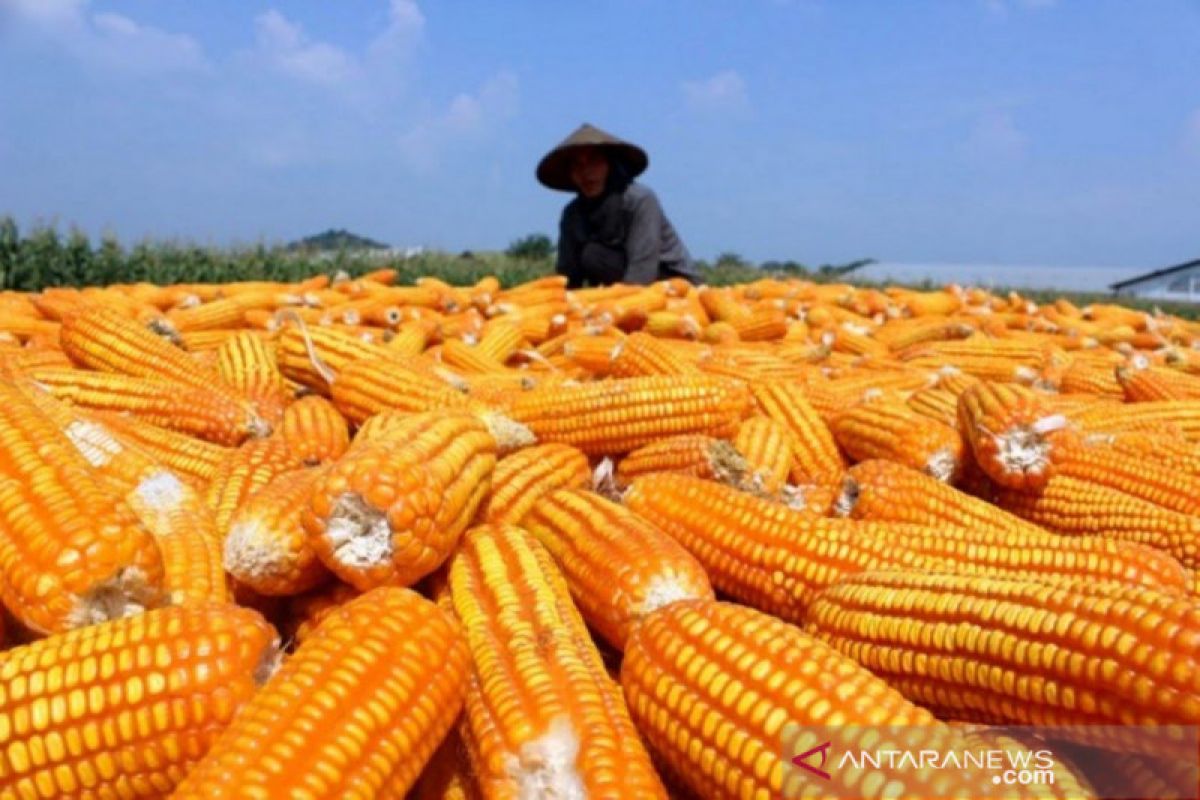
(614,231)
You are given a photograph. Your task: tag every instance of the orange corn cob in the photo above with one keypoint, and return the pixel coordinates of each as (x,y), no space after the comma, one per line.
(619,567)
(899,334)
(448,776)
(304,735)
(719,333)
(215,416)
(266,547)
(554,724)
(1086,377)
(245,472)
(1008,428)
(1181,417)
(672,325)
(593,353)
(32,359)
(204,341)
(856,340)
(1165,449)
(312,355)
(126,707)
(69,554)
(815,454)
(640,354)
(767,448)
(936,404)
(315,431)
(247,363)
(617,416)
(711,686)
(391,510)
(895,432)
(691,454)
(525,476)
(501,340)
(227,312)
(1157,383)
(368,386)
(468,359)
(1069,505)
(1099,465)
(413,338)
(1019,652)
(189,457)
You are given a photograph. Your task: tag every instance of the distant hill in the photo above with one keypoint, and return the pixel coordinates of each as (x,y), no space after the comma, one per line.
(333,240)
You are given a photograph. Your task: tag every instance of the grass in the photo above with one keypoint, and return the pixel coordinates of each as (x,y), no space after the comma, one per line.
(43,257)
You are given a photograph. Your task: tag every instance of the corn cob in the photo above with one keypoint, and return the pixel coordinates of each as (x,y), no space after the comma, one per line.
(691,454)
(815,455)
(247,363)
(1157,383)
(767,448)
(126,707)
(936,404)
(214,416)
(525,476)
(1019,652)
(1086,377)
(314,356)
(893,431)
(227,312)
(302,735)
(1153,448)
(370,386)
(413,337)
(314,430)
(1008,428)
(619,567)
(1069,505)
(468,359)
(390,511)
(592,353)
(1162,485)
(69,554)
(245,472)
(640,354)
(306,611)
(618,416)
(898,335)
(672,325)
(1180,416)
(712,685)
(542,716)
(266,547)
(189,457)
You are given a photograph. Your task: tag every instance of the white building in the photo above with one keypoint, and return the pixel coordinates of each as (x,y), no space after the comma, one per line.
(1180,283)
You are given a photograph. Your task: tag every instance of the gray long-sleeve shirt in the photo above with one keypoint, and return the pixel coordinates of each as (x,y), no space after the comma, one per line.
(652,249)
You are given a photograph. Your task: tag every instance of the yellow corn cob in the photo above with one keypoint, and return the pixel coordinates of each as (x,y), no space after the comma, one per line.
(102,338)
(1069,505)
(1008,428)
(1086,377)
(469,360)
(711,686)
(593,353)
(857,341)
(617,416)
(69,554)
(215,416)
(173,512)
(691,454)
(266,547)
(554,724)
(767,448)
(1166,450)
(1157,383)
(390,511)
(247,363)
(815,455)
(1181,417)
(900,334)
(1019,652)
(619,567)
(672,325)
(895,432)
(936,404)
(304,734)
(189,457)
(413,337)
(314,355)
(204,341)
(31,359)
(314,430)
(640,354)
(243,473)
(501,340)
(719,333)
(525,476)
(126,707)
(227,312)
(369,386)
(1104,466)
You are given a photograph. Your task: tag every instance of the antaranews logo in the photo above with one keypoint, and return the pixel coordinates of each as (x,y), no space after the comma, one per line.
(802,760)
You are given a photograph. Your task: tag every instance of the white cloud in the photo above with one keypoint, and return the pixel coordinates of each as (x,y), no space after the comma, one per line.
(106,39)
(994,136)
(467,117)
(290,51)
(725,91)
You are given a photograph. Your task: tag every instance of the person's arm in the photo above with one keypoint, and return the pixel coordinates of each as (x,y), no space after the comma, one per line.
(567,253)
(643,243)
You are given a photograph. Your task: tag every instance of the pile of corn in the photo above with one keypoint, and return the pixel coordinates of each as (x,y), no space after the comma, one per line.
(349,539)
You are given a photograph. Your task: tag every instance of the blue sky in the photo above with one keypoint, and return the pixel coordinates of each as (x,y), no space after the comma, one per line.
(1001,131)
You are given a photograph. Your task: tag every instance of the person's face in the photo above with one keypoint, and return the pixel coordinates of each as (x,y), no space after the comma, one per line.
(589,171)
